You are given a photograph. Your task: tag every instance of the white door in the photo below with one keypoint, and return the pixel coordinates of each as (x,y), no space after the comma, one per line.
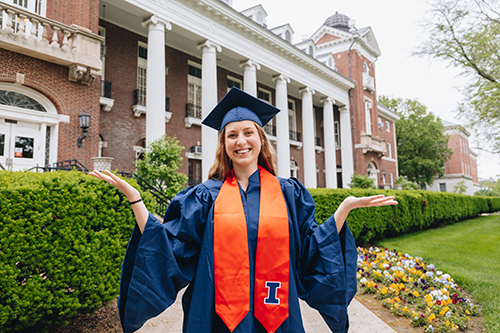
(20,145)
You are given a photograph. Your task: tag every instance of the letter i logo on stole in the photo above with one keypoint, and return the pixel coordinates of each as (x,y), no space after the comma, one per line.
(272,293)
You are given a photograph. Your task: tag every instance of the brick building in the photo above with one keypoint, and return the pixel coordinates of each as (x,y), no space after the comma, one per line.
(141,69)
(462,167)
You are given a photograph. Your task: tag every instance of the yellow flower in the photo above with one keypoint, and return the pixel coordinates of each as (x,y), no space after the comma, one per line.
(428,298)
(447,323)
(416,294)
(432,317)
(397,306)
(468,317)
(384,290)
(405,309)
(467,311)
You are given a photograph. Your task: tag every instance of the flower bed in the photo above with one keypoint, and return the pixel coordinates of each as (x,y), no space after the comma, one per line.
(411,288)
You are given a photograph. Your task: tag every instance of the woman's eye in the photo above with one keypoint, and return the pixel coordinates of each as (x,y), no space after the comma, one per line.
(249,133)
(231,136)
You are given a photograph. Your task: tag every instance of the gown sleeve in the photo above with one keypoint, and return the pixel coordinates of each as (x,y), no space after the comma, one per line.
(326,262)
(162,260)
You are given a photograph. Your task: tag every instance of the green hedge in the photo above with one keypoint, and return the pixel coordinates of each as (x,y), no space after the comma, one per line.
(417,210)
(62,240)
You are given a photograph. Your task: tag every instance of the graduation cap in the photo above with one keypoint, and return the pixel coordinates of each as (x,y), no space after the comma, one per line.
(238,105)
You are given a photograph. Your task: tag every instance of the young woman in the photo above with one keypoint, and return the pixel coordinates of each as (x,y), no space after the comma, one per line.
(245,242)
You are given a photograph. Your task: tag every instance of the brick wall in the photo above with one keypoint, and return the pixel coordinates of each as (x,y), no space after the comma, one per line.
(69,98)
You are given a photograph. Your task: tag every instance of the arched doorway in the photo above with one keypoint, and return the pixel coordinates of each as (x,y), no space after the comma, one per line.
(29,126)
(372,173)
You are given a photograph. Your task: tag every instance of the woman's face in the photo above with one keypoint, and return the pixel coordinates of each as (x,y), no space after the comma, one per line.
(243,145)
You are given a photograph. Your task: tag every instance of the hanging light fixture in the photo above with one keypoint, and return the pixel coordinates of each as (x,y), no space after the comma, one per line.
(84,119)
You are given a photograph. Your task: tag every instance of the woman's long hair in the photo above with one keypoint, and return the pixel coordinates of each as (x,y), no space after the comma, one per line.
(223,165)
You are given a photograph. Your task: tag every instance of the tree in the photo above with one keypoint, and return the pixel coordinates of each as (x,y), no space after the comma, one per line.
(159,166)
(460,187)
(466,34)
(405,184)
(422,144)
(359,181)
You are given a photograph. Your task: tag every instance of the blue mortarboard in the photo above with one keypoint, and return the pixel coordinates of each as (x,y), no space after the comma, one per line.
(238,105)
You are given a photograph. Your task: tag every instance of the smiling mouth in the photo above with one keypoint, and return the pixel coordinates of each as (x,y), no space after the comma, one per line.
(243,151)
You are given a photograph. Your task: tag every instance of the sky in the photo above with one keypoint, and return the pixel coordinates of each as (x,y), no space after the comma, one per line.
(397,29)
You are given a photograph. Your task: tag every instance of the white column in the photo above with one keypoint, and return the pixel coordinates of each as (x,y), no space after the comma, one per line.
(54,143)
(308,138)
(250,76)
(282,130)
(43,141)
(346,146)
(209,136)
(155,81)
(329,135)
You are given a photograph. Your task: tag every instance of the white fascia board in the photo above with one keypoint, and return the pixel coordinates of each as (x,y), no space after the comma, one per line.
(387,113)
(342,45)
(243,36)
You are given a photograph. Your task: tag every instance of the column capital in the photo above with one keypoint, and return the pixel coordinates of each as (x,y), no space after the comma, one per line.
(153,19)
(249,63)
(344,108)
(306,90)
(327,100)
(209,44)
(281,77)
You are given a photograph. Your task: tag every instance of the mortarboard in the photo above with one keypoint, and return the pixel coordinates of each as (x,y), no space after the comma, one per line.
(238,105)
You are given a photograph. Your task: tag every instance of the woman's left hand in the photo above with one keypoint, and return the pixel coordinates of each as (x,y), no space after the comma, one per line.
(372,201)
(351,203)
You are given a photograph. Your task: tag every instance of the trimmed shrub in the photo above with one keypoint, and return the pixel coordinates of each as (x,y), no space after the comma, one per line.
(417,210)
(63,236)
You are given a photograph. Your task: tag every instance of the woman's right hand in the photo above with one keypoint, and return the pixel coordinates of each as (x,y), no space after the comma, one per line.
(128,190)
(140,211)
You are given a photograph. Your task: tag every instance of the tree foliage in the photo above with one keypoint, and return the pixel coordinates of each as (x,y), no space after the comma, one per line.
(490,188)
(422,144)
(406,184)
(466,34)
(160,164)
(359,181)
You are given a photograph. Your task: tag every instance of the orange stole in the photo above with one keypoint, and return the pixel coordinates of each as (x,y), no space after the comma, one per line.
(231,263)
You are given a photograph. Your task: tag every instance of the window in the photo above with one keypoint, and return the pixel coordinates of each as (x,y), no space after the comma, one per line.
(389,150)
(193,107)
(380,123)
(288,36)
(365,68)
(391,179)
(233,82)
(142,69)
(292,123)
(368,109)
(194,172)
(442,187)
(265,95)
(260,18)
(387,126)
(310,50)
(336,133)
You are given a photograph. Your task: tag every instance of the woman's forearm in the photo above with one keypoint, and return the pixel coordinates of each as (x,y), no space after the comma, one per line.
(341,214)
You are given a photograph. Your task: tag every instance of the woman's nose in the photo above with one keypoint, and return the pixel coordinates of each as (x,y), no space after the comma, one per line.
(241,139)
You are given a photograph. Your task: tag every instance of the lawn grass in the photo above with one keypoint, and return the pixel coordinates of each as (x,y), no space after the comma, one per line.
(470,252)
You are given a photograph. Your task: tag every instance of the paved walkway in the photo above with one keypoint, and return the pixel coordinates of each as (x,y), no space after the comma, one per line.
(362,320)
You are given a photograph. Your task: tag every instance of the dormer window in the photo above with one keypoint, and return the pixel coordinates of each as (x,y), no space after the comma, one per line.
(288,36)
(260,18)
(311,51)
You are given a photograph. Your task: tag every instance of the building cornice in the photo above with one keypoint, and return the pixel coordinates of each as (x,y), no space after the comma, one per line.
(221,13)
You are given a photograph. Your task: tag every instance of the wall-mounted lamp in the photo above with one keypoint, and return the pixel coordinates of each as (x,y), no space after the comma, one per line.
(84,119)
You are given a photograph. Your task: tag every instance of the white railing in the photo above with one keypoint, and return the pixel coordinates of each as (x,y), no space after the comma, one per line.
(368,82)
(43,38)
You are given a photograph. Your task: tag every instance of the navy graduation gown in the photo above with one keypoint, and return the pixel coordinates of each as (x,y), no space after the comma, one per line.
(169,256)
